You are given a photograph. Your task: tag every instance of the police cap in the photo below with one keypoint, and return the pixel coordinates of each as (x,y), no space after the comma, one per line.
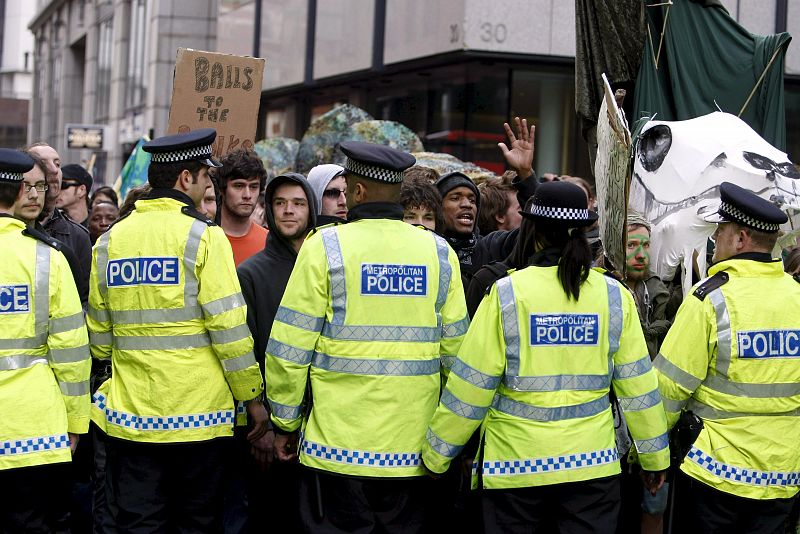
(560,203)
(748,209)
(378,162)
(13,164)
(190,146)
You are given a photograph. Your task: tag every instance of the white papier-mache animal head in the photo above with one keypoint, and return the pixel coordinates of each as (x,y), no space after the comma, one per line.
(677,169)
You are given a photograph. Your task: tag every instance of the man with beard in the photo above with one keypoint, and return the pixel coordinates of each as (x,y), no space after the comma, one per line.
(461,200)
(241,180)
(74,236)
(290,211)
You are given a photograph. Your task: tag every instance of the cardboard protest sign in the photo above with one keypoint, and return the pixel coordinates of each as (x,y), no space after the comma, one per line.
(612,178)
(220,91)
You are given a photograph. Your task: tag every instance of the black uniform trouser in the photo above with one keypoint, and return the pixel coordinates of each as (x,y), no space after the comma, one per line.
(35,499)
(709,510)
(334,503)
(167,487)
(591,506)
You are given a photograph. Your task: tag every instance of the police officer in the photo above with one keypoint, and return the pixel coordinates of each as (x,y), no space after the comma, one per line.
(733,358)
(371,307)
(44,364)
(166,307)
(535,368)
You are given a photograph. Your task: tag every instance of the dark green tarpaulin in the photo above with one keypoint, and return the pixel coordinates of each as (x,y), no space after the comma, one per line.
(707,57)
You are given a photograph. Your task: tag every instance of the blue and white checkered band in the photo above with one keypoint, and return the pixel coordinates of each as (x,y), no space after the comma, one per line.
(10,176)
(197,152)
(567,214)
(729,211)
(374,172)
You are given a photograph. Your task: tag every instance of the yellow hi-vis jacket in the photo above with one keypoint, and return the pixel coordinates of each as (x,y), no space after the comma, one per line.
(372,307)
(44,352)
(535,368)
(165,305)
(733,358)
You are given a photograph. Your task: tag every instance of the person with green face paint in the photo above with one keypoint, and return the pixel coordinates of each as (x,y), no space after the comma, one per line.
(650,292)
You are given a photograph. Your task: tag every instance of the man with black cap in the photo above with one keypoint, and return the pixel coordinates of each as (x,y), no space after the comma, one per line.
(44,363)
(732,358)
(371,307)
(76,184)
(461,202)
(165,306)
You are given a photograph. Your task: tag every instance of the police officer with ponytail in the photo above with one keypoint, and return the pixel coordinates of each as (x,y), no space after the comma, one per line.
(534,372)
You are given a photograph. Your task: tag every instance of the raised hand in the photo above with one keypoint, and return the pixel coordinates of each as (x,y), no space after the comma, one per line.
(520,156)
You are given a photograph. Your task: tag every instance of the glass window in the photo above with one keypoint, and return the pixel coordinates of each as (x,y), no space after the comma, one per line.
(105,45)
(135,91)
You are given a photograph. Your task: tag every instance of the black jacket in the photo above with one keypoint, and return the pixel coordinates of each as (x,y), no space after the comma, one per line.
(75,240)
(264,276)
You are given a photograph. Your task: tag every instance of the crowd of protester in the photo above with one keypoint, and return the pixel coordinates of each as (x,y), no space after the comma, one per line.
(266,221)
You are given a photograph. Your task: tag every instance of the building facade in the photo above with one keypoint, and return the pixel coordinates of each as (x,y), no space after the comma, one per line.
(110,63)
(451,70)
(16,71)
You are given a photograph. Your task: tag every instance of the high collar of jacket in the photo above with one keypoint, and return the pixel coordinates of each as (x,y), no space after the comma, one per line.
(375,210)
(547,257)
(174,194)
(9,221)
(749,264)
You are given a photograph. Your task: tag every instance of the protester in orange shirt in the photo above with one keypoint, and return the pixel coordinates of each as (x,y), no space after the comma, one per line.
(241,181)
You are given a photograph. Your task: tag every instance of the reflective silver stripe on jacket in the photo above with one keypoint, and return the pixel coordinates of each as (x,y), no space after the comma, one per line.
(190,341)
(362,366)
(632,369)
(65,324)
(284,411)
(448,450)
(239,363)
(508,309)
(641,402)
(704,411)
(743,475)
(299,320)
(558,382)
(445,272)
(475,377)
(723,331)
(288,352)
(459,328)
(448,360)
(20,361)
(35,342)
(156,316)
(330,240)
(229,335)
(221,305)
(101,316)
(190,284)
(672,405)
(746,389)
(101,259)
(509,406)
(461,408)
(675,373)
(614,317)
(70,355)
(74,389)
(421,334)
(42,288)
(103,338)
(658,443)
